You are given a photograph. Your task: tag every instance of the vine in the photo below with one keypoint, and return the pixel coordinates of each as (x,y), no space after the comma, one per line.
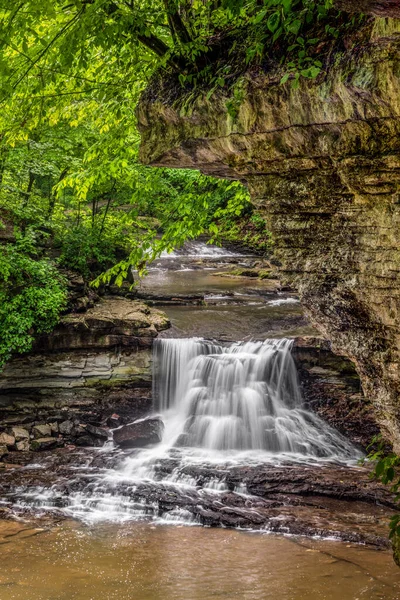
(387,471)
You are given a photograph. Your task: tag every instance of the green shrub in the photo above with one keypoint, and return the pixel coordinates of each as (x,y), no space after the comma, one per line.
(32,295)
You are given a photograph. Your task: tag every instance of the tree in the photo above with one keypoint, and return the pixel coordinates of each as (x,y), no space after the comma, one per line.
(71,74)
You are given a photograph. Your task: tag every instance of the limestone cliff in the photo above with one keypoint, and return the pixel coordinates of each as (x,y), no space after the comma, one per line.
(322,163)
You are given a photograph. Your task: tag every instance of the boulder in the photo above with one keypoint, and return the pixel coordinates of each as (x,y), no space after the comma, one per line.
(20,433)
(6,439)
(43,443)
(90,441)
(139,433)
(23,445)
(65,428)
(54,427)
(41,431)
(97,431)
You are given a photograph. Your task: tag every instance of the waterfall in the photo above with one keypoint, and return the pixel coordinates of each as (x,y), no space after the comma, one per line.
(244,397)
(228,411)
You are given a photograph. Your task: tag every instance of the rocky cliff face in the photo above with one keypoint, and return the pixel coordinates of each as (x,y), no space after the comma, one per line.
(322,163)
(93,372)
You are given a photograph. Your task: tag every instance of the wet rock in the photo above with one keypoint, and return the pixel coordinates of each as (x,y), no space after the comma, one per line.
(97,431)
(139,433)
(41,431)
(88,440)
(6,439)
(42,443)
(176,299)
(332,389)
(114,420)
(101,367)
(23,445)
(65,428)
(20,433)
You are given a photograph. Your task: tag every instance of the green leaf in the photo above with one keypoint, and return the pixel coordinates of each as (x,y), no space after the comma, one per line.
(294,26)
(284,78)
(287,4)
(273,21)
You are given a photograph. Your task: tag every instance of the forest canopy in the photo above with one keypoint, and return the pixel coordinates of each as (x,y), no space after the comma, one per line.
(71,187)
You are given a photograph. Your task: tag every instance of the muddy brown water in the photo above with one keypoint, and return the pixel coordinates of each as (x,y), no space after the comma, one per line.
(235,309)
(143,562)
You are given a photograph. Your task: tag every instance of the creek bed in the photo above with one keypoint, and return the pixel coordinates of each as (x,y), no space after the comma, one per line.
(142,562)
(127,540)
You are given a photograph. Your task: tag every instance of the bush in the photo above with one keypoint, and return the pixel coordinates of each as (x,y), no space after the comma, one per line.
(32,295)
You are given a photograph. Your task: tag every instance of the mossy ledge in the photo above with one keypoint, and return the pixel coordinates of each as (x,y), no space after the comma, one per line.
(322,163)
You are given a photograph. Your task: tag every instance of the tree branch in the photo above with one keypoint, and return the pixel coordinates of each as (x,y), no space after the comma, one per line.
(47,48)
(176,23)
(154,43)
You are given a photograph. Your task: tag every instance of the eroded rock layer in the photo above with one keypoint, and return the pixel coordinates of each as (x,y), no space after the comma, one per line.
(92,373)
(322,163)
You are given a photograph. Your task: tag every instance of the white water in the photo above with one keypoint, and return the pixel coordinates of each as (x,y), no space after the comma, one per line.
(197,249)
(245,397)
(222,407)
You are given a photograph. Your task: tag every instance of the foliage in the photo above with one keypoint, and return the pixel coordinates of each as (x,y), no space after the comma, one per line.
(32,294)
(101,49)
(249,229)
(188,204)
(71,75)
(387,470)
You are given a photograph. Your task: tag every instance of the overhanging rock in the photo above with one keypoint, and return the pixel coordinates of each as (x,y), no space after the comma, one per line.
(322,163)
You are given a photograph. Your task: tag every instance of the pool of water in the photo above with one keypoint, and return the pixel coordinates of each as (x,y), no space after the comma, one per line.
(148,562)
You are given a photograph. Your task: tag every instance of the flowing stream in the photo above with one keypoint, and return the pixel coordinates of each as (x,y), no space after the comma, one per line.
(234,420)
(223,408)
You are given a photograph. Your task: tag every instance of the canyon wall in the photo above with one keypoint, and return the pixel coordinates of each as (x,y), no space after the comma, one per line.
(322,163)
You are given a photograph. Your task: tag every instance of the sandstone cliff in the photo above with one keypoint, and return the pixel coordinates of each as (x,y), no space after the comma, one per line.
(322,163)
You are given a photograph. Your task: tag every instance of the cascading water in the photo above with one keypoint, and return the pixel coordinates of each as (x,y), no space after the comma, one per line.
(229,413)
(244,397)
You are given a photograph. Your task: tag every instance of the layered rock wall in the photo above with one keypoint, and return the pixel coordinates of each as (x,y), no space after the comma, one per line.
(322,163)
(91,373)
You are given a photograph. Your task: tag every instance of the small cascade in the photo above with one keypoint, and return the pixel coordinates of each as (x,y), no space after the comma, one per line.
(198,249)
(230,413)
(243,397)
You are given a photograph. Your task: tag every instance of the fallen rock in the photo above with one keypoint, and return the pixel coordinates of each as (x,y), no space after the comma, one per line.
(114,420)
(20,433)
(6,439)
(3,451)
(23,445)
(41,431)
(42,443)
(97,431)
(54,427)
(87,440)
(65,428)
(139,433)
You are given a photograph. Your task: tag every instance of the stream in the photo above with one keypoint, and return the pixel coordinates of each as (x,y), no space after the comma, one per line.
(234,427)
